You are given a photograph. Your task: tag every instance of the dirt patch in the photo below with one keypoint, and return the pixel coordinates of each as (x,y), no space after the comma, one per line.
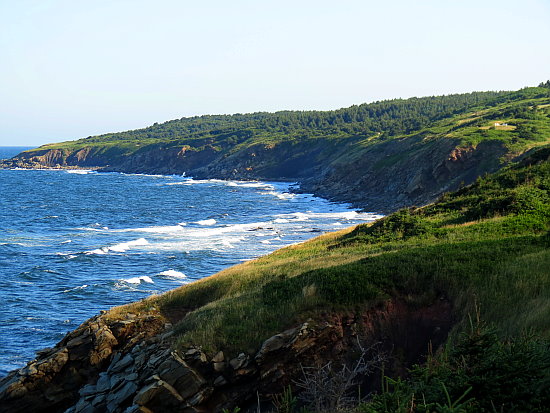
(175,314)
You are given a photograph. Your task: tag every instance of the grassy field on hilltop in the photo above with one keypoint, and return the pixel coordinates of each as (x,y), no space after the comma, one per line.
(466,117)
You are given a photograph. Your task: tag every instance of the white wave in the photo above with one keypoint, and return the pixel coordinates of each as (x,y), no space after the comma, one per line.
(300,216)
(89,229)
(148,175)
(203,237)
(138,280)
(172,274)
(280,195)
(97,227)
(206,222)
(189,244)
(227,243)
(191,181)
(250,184)
(125,246)
(67,255)
(80,171)
(98,251)
(166,229)
(293,217)
(76,288)
(122,247)
(235,228)
(67,242)
(257,185)
(344,215)
(348,215)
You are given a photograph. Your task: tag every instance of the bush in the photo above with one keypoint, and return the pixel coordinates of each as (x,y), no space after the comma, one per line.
(401,225)
(480,373)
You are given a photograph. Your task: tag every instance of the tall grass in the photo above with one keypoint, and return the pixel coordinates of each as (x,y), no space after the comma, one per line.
(486,244)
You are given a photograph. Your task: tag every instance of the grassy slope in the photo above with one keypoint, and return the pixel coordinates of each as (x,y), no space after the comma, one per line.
(461,117)
(486,244)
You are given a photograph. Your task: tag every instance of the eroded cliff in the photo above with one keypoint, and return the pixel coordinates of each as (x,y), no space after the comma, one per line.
(128,364)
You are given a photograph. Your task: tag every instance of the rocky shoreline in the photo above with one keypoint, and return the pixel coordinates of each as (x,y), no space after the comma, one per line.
(392,175)
(128,363)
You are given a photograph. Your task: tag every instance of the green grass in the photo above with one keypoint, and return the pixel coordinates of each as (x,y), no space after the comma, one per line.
(342,136)
(487,244)
(478,373)
(485,247)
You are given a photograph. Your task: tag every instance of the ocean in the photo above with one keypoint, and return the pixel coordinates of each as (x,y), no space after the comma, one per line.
(73,243)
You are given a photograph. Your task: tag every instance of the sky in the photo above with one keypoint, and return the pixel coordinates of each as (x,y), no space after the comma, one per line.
(74,68)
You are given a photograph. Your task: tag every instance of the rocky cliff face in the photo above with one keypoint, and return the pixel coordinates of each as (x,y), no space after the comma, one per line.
(379,178)
(52,381)
(406,172)
(129,364)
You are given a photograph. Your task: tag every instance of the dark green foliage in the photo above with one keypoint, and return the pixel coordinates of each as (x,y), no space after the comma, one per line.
(479,373)
(490,241)
(400,225)
(391,116)
(285,402)
(347,284)
(350,284)
(523,188)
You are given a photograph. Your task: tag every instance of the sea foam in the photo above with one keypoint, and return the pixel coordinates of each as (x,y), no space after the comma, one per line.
(121,247)
(172,274)
(206,222)
(139,280)
(80,171)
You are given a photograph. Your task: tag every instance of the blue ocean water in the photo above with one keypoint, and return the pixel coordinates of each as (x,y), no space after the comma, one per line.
(73,243)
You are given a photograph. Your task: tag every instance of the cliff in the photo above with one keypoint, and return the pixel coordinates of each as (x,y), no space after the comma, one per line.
(331,316)
(350,306)
(130,364)
(380,156)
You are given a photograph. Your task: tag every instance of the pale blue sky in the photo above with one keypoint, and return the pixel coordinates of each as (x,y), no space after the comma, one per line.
(72,68)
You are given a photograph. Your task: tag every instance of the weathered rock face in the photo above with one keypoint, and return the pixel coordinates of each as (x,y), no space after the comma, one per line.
(130,366)
(402,173)
(380,178)
(52,381)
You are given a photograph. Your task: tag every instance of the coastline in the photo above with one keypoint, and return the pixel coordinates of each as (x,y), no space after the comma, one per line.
(165,351)
(86,243)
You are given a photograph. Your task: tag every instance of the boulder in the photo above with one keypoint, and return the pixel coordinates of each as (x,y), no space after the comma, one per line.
(239,362)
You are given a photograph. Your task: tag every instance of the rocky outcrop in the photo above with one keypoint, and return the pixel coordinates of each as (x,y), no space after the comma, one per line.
(381,178)
(130,365)
(406,172)
(52,381)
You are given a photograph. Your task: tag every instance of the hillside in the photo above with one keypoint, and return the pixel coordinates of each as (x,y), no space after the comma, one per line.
(379,156)
(380,297)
